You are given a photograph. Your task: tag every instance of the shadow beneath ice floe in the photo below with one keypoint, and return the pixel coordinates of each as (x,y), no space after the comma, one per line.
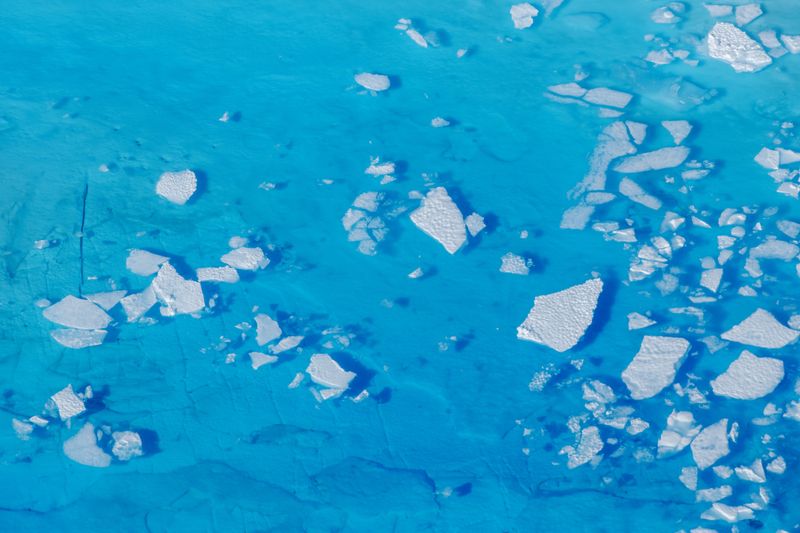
(202,185)
(384,396)
(150,444)
(602,314)
(363,374)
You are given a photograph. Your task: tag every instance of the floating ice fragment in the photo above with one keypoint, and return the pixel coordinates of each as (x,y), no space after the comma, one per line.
(177,187)
(522,15)
(417,37)
(416,273)
(514,264)
(77,313)
(768,158)
(287,343)
(144,263)
(324,371)
(753,473)
(775,249)
(632,190)
(777,465)
(747,13)
(78,338)
(654,366)
(608,97)
(711,278)
(660,159)
(681,429)
(439,122)
(749,377)
(127,445)
(792,43)
(267,329)
(689,477)
(727,513)
(258,359)
(728,43)
(667,14)
(373,82)
(179,295)
(588,446)
(679,129)
(639,321)
(137,304)
(67,403)
(106,300)
(719,10)
(475,224)
(711,444)
(571,89)
(439,217)
(224,274)
(560,319)
(83,449)
(638,131)
(761,329)
(246,259)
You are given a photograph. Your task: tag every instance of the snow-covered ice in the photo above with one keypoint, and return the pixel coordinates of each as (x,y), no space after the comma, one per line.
(608,97)
(179,295)
(439,217)
(127,445)
(66,403)
(326,372)
(512,263)
(267,329)
(177,187)
(224,274)
(373,82)
(245,258)
(654,366)
(660,159)
(77,313)
(144,263)
(83,449)
(711,444)
(728,43)
(79,338)
(761,329)
(749,377)
(522,15)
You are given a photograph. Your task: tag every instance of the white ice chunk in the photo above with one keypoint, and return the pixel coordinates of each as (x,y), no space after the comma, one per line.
(719,10)
(439,122)
(224,274)
(560,319)
(267,329)
(632,190)
(711,278)
(514,264)
(768,158)
(417,37)
(728,43)
(522,15)
(792,43)
(775,249)
(177,187)
(588,446)
(475,224)
(137,304)
(753,473)
(179,295)
(144,263)
(258,359)
(747,13)
(287,343)
(789,228)
(78,338)
(608,97)
(106,300)
(638,131)
(761,329)
(660,159)
(324,371)
(246,259)
(127,445)
(727,513)
(83,449)
(639,321)
(681,429)
(654,366)
(373,82)
(439,217)
(689,477)
(713,494)
(749,377)
(67,403)
(711,444)
(77,313)
(567,89)
(679,129)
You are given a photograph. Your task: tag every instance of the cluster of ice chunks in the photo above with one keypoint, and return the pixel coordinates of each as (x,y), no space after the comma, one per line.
(609,102)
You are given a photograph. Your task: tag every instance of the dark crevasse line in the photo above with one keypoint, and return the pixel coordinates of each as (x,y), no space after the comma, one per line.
(83,223)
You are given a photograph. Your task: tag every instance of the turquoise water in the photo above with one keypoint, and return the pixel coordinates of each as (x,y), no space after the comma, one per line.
(451,436)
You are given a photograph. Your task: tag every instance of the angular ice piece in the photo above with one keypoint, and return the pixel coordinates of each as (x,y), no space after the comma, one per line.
(127,445)
(567,89)
(632,190)
(711,444)
(777,465)
(761,329)
(137,304)
(719,10)
(681,429)
(78,338)
(775,249)
(144,263)
(638,321)
(753,473)
(788,156)
(522,15)
(514,264)
(475,224)
(711,278)
(560,319)
(588,446)
(224,274)
(747,13)
(660,159)
(638,131)
(177,187)
(608,97)
(417,37)
(286,343)
(67,403)
(106,300)
(654,366)
(728,43)
(792,43)
(246,259)
(77,313)
(267,329)
(713,494)
(789,228)
(439,217)
(749,377)
(689,477)
(576,217)
(324,371)
(768,158)
(83,449)
(727,513)
(679,129)
(179,295)
(258,359)
(373,82)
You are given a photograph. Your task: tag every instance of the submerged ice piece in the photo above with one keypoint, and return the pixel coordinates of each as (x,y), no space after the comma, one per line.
(728,43)
(82,448)
(654,366)
(373,82)
(560,319)
(327,372)
(749,377)
(77,313)
(761,329)
(177,187)
(79,338)
(439,217)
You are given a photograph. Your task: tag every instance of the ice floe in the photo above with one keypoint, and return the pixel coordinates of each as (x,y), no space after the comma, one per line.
(761,329)
(106,300)
(678,129)
(659,159)
(127,445)
(66,403)
(224,274)
(177,187)
(177,294)
(728,43)
(654,366)
(144,263)
(373,82)
(267,329)
(77,313)
(588,445)
(245,258)
(326,372)
(747,13)
(749,377)
(79,338)
(711,444)
(639,321)
(522,15)
(83,449)
(512,263)
(439,217)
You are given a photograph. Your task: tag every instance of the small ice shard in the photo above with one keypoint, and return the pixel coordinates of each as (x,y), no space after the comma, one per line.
(608,97)
(439,217)
(78,338)
(127,445)
(660,159)
(522,15)
(106,300)
(679,129)
(749,377)
(66,403)
(719,10)
(711,278)
(514,264)
(416,273)
(761,329)
(258,359)
(137,304)
(417,37)
(439,122)
(588,446)
(571,89)
(560,319)
(654,366)
(681,429)
(144,263)
(747,13)
(727,513)
(753,473)
(267,329)
(244,258)
(792,43)
(179,295)
(768,158)
(789,228)
(287,343)
(379,168)
(728,43)
(632,190)
(639,321)
(636,426)
(77,313)
(83,449)
(475,224)
(324,371)
(711,444)
(224,274)
(373,82)
(177,187)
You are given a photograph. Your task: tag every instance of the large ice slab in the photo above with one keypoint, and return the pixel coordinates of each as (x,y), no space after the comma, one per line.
(144,263)
(711,444)
(327,372)
(761,329)
(728,43)
(179,295)
(77,313)
(439,217)
(660,159)
(560,319)
(588,445)
(177,187)
(83,449)
(267,329)
(79,338)
(654,366)
(749,377)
